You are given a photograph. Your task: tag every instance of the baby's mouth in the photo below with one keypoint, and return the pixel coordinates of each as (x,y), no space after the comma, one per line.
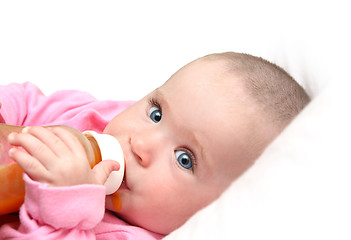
(124,181)
(123,185)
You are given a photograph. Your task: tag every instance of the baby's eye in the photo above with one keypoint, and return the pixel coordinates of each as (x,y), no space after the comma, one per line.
(184,159)
(155,114)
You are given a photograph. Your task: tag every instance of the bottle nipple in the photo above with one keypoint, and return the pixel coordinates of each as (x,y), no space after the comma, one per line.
(110,149)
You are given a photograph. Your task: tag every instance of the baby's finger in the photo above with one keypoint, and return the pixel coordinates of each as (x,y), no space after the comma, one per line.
(32,145)
(103,170)
(34,169)
(71,141)
(46,136)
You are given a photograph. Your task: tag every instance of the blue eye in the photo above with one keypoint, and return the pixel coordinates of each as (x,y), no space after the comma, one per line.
(155,114)
(184,159)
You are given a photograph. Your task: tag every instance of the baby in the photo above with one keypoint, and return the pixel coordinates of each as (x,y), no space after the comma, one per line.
(183,143)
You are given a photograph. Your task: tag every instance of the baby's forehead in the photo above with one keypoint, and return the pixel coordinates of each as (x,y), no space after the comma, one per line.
(202,83)
(203,72)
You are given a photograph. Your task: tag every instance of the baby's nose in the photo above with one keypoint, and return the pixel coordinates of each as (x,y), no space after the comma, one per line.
(142,149)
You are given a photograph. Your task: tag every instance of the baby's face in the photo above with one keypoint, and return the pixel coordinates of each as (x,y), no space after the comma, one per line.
(184,143)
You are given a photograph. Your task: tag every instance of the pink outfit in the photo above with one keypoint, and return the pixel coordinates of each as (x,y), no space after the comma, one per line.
(76,212)
(25,105)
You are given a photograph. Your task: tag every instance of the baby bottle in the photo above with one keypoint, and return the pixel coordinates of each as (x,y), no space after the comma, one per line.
(98,147)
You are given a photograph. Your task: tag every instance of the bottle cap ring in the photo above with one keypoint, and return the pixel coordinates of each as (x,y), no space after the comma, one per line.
(110,150)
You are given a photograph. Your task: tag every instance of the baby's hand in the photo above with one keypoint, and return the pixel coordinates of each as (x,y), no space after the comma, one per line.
(56,157)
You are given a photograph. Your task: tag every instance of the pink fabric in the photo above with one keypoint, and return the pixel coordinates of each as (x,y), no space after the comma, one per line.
(51,213)
(76,212)
(25,105)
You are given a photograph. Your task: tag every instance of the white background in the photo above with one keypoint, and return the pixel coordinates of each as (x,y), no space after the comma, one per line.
(124,49)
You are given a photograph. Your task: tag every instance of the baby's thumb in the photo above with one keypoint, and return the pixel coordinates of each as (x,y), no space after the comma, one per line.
(104,169)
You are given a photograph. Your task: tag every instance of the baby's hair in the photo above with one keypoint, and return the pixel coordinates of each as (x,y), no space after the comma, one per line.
(279,96)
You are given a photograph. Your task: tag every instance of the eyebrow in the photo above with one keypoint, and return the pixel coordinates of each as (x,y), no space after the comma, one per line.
(158,93)
(201,153)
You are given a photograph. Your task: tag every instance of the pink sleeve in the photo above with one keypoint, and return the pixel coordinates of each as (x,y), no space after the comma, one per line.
(25,105)
(57,212)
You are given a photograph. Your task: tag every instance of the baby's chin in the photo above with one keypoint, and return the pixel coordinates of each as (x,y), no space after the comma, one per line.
(156,223)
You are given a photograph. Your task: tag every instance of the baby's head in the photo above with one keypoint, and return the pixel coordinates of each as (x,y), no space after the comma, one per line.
(185,142)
